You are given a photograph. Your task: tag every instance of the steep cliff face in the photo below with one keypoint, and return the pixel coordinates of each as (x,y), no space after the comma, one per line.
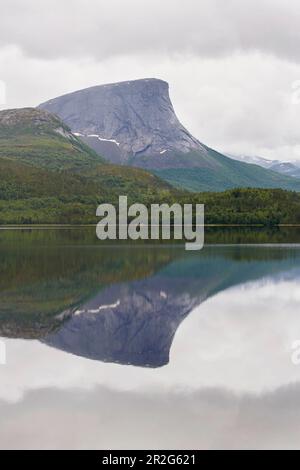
(126,121)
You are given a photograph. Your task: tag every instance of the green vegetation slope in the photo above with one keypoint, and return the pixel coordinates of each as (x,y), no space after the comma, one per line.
(48,176)
(218,173)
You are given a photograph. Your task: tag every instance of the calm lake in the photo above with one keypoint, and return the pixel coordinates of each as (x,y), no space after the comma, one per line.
(149,346)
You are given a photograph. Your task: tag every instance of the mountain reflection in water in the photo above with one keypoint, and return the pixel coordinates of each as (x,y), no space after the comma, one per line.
(120,305)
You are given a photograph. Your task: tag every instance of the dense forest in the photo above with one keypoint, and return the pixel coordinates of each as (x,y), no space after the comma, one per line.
(33,196)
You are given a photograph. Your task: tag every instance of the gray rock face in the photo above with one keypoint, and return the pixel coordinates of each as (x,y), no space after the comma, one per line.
(126,121)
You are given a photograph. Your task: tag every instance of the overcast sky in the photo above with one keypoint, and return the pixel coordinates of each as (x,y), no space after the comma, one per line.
(231,65)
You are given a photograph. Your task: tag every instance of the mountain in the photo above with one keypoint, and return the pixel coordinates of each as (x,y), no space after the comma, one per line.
(126,121)
(134,123)
(220,173)
(48,175)
(38,138)
(286,168)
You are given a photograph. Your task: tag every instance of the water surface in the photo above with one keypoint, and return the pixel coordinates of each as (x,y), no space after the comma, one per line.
(149,346)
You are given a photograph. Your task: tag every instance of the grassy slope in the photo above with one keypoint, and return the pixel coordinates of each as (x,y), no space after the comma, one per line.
(37,138)
(219,173)
(40,139)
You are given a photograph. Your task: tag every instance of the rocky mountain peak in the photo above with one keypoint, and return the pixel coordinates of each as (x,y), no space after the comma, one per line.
(125,120)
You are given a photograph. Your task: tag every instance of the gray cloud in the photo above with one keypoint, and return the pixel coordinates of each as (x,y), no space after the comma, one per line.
(108,419)
(103,29)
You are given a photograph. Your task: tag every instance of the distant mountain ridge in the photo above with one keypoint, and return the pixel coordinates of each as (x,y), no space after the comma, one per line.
(134,123)
(285,168)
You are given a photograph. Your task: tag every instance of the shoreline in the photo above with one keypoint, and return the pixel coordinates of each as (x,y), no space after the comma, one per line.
(79,226)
